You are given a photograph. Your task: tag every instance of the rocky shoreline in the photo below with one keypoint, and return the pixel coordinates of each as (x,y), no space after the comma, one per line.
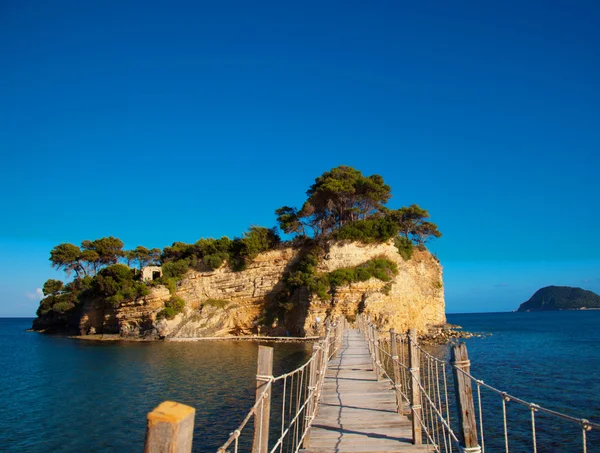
(448,333)
(437,335)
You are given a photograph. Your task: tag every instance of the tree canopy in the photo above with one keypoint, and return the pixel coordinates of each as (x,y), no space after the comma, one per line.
(350,206)
(337,197)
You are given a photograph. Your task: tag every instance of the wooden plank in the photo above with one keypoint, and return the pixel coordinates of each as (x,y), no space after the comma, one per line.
(358,413)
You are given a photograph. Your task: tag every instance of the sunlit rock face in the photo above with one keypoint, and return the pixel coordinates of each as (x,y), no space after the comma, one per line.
(414,298)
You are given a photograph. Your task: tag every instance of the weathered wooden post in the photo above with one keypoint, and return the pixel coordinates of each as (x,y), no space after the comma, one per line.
(415,396)
(327,344)
(319,361)
(170,428)
(397,383)
(312,402)
(339,332)
(370,339)
(264,373)
(464,398)
(377,353)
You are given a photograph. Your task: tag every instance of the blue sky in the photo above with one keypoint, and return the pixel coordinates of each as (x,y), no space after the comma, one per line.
(169,121)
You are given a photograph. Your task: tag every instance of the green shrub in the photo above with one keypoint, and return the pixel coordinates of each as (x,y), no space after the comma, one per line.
(379,229)
(214,252)
(404,246)
(116,284)
(387,288)
(175,269)
(62,306)
(214,261)
(173,307)
(217,303)
(305,275)
(170,283)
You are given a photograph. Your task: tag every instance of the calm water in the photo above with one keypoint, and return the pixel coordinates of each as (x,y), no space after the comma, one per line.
(62,395)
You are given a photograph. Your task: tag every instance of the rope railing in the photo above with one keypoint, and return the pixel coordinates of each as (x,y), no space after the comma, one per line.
(424,385)
(295,398)
(580,423)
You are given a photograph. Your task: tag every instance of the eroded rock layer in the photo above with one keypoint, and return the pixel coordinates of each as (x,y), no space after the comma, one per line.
(414,298)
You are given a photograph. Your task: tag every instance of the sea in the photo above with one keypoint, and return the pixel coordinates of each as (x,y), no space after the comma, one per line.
(64,395)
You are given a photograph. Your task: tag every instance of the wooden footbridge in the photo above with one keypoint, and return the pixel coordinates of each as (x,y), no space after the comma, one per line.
(357,411)
(362,391)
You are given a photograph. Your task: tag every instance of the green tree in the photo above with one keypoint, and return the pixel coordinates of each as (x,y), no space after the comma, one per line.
(90,261)
(109,249)
(52,287)
(413,224)
(337,197)
(144,256)
(129,257)
(68,258)
(289,221)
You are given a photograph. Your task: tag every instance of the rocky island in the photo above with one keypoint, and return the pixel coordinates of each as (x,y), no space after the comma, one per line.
(346,253)
(561,298)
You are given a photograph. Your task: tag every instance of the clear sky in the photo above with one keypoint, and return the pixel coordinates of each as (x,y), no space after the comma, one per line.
(158,121)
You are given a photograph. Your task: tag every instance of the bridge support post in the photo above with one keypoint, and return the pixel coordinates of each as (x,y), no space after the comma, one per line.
(376,354)
(170,428)
(464,398)
(371,343)
(312,402)
(396,365)
(339,334)
(415,397)
(264,374)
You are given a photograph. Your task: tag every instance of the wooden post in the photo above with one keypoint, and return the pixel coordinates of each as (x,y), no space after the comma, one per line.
(170,428)
(327,343)
(339,330)
(464,397)
(264,371)
(377,353)
(415,397)
(312,402)
(319,361)
(397,383)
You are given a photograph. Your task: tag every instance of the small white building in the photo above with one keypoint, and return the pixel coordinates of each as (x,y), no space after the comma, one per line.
(150,273)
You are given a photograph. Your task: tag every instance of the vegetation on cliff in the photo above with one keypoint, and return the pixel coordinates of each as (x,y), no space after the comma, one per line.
(346,205)
(341,205)
(561,298)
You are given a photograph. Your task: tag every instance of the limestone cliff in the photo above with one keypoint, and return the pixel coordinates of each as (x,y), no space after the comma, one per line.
(414,298)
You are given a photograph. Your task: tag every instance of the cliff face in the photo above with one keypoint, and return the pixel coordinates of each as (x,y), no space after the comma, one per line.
(414,298)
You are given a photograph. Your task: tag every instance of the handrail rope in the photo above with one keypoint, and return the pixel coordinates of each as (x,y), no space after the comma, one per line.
(581,421)
(269,380)
(297,370)
(439,414)
(236,432)
(293,420)
(584,423)
(428,418)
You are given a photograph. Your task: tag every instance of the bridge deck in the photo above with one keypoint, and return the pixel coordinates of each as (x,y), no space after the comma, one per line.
(356,412)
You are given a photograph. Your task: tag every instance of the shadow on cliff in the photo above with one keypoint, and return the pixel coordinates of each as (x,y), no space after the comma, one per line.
(284,313)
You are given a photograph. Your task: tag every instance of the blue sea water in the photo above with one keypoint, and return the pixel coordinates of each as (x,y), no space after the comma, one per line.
(63,395)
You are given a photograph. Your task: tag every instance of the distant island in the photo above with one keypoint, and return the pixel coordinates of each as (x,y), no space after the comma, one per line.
(561,298)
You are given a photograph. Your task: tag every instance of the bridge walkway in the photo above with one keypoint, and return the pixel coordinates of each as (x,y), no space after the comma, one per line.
(357,413)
